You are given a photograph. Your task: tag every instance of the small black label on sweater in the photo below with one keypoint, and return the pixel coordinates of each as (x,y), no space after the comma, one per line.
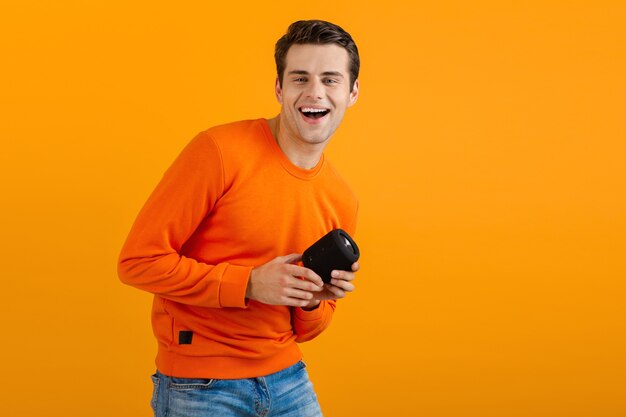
(184,337)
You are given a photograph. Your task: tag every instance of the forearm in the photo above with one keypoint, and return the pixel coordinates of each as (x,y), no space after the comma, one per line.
(185,280)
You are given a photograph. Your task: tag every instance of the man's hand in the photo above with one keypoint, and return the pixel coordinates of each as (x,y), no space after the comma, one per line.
(339,285)
(278,282)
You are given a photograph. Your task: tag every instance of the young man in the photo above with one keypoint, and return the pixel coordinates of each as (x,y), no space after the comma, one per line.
(220,239)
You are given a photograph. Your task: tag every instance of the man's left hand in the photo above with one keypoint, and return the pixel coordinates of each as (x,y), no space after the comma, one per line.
(338,287)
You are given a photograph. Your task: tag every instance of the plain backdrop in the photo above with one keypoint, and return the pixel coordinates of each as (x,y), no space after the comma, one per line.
(488,150)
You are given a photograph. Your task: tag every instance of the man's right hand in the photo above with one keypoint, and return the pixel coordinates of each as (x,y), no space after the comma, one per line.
(278,282)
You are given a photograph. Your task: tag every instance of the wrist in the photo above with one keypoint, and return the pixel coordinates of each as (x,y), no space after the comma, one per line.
(249,285)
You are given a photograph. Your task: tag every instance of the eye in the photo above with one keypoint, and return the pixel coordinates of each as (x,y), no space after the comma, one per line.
(299,80)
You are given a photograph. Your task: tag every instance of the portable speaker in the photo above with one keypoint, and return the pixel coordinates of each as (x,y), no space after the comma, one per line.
(334,251)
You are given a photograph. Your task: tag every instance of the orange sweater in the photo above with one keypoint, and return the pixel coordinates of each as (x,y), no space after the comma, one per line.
(231,201)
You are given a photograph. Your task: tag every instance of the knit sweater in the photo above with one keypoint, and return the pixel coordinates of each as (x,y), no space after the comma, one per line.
(231,201)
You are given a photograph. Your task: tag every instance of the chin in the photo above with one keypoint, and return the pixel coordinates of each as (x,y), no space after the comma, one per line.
(315,137)
(315,140)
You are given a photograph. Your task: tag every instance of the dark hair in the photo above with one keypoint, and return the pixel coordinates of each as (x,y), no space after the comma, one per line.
(316,32)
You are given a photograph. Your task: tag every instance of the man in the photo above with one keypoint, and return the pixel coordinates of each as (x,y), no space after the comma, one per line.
(220,239)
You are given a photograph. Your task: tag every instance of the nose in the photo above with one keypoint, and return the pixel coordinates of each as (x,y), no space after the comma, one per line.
(315,89)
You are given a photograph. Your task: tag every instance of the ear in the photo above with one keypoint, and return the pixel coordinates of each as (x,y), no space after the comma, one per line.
(278,91)
(354,94)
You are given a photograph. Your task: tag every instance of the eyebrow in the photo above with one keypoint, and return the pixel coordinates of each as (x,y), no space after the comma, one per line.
(325,73)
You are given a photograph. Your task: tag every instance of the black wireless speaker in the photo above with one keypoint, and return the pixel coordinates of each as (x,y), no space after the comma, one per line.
(334,251)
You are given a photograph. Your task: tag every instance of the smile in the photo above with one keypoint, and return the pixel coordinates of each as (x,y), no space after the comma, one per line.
(313,113)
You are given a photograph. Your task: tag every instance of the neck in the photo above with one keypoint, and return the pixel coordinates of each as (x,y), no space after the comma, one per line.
(301,154)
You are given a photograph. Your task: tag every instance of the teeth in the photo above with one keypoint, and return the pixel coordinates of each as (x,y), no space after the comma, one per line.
(310,110)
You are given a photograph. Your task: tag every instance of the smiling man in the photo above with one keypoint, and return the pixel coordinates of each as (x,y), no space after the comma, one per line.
(220,239)
(315,89)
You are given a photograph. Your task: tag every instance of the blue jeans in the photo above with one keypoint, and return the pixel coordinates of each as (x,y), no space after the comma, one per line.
(287,393)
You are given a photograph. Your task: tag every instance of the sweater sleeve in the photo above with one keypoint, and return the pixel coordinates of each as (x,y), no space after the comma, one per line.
(309,324)
(151,258)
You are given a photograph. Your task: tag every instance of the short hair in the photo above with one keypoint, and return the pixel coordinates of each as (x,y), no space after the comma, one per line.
(317,32)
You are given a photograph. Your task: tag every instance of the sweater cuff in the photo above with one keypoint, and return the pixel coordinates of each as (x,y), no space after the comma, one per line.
(233,286)
(312,315)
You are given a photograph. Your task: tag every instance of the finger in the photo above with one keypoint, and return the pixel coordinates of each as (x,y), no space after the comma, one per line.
(298,294)
(344,275)
(294,302)
(297,301)
(306,273)
(304,285)
(344,285)
(355,267)
(336,291)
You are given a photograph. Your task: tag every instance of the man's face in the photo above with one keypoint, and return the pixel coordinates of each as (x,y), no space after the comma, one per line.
(315,92)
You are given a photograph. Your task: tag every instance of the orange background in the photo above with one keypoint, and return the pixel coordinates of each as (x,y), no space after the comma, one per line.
(488,148)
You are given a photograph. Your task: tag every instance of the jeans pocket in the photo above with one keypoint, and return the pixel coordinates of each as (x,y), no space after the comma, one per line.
(187,384)
(156,381)
(193,397)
